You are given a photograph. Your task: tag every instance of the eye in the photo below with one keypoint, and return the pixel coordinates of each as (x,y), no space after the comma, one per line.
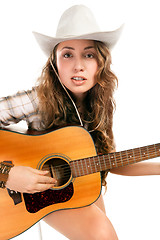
(89,55)
(67,55)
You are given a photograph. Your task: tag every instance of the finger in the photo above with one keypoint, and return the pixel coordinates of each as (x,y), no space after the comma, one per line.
(46,180)
(40,172)
(43,187)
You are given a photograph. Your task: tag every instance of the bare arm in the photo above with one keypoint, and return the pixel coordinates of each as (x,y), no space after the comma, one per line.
(138,169)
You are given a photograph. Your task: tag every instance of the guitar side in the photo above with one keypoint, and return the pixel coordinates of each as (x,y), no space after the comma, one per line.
(26,150)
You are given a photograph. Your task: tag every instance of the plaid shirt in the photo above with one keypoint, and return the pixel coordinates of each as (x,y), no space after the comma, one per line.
(21,106)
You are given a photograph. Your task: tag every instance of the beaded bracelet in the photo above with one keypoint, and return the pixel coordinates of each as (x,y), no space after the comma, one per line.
(5,167)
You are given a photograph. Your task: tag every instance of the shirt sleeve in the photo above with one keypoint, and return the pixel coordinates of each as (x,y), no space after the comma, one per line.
(21,106)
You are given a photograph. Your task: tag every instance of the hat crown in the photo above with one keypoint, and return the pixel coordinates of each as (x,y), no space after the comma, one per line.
(77,20)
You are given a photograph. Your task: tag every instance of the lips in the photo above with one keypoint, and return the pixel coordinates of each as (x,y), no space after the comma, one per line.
(78,78)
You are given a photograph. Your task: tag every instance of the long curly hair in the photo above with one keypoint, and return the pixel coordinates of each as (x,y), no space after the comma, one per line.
(57,109)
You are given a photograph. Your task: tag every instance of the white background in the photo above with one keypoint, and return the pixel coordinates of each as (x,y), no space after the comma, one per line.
(132,203)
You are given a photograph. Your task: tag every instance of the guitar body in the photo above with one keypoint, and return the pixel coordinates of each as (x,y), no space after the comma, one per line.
(64,145)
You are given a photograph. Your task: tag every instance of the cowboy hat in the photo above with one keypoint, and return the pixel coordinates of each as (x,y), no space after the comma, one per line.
(77,22)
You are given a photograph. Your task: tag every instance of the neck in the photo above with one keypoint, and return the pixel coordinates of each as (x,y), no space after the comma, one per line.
(80,103)
(109,161)
(79,98)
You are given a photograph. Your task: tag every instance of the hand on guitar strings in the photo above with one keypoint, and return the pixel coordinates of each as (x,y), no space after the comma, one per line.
(29,180)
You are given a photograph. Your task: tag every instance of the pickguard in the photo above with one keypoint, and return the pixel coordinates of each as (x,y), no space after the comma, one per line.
(37,201)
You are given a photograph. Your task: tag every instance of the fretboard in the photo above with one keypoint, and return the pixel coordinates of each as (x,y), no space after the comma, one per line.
(109,161)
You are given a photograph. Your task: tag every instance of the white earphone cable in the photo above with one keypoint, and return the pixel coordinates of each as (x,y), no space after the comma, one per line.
(80,120)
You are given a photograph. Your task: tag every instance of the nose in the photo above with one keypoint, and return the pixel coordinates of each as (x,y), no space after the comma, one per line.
(79,65)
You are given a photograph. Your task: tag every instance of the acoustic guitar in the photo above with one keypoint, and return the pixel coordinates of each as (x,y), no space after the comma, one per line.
(70,156)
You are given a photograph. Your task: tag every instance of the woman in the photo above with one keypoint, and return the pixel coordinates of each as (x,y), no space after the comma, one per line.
(76,87)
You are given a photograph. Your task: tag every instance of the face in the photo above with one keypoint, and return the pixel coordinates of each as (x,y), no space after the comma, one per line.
(77,65)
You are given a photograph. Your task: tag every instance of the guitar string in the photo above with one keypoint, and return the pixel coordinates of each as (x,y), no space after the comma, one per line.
(117,158)
(66,177)
(117,161)
(66,169)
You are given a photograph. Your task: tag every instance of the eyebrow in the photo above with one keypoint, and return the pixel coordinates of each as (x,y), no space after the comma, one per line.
(86,48)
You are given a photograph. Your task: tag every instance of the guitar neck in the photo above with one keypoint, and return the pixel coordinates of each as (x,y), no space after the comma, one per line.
(109,161)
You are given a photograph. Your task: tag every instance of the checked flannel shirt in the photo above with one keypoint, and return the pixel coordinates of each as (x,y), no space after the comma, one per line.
(21,106)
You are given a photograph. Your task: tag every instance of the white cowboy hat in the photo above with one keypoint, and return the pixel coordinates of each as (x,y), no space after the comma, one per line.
(77,22)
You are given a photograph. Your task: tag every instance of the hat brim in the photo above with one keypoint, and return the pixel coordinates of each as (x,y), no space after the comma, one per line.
(47,43)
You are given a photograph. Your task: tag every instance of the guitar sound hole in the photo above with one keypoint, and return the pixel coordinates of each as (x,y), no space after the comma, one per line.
(61,193)
(58,169)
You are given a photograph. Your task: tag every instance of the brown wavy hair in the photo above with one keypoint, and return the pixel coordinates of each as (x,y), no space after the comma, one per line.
(57,109)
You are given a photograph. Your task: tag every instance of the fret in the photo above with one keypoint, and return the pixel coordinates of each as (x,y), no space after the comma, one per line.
(158,149)
(104,162)
(121,158)
(74,173)
(130,156)
(125,157)
(140,153)
(109,161)
(155,150)
(144,153)
(90,164)
(156,154)
(115,159)
(151,151)
(78,168)
(82,168)
(148,151)
(137,154)
(87,166)
(134,155)
(95,166)
(112,158)
(100,167)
